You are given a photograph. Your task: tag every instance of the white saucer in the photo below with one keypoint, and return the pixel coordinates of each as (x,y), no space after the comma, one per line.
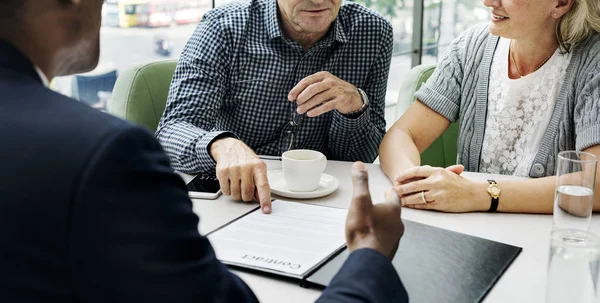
(327,185)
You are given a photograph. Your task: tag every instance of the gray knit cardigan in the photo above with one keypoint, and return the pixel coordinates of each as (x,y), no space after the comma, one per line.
(458,89)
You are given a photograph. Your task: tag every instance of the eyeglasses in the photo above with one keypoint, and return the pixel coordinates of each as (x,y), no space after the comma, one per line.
(295,124)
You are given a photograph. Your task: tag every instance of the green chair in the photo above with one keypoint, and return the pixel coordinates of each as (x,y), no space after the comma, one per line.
(442,152)
(140,93)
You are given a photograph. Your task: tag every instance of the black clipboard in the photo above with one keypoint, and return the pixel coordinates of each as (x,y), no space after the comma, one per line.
(439,265)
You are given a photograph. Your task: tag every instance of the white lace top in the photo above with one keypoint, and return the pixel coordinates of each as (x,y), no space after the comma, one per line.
(518,112)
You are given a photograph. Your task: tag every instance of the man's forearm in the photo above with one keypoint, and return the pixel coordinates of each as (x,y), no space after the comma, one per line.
(187,147)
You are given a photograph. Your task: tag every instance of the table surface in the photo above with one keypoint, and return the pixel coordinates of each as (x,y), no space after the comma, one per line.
(524,281)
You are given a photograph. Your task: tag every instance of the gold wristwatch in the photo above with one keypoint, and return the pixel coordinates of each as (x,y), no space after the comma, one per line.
(494,191)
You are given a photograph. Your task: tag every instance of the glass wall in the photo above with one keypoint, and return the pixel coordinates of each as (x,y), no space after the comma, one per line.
(444,20)
(134,32)
(138,31)
(423,29)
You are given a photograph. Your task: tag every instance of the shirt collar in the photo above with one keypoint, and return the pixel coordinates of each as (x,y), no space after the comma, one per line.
(272,21)
(42,76)
(340,35)
(274,29)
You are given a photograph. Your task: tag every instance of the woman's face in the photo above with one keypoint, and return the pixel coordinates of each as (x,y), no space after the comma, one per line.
(515,19)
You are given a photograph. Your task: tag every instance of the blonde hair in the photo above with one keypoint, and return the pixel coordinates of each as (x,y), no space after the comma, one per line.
(580,22)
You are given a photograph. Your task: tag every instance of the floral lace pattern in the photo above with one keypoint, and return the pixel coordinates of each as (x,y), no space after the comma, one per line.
(519,112)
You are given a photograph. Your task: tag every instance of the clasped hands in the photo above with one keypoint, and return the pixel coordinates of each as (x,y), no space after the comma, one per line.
(442,189)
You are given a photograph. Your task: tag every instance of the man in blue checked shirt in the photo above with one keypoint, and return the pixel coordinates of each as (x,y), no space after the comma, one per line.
(266,76)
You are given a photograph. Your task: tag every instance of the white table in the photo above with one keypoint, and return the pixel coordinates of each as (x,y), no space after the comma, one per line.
(524,281)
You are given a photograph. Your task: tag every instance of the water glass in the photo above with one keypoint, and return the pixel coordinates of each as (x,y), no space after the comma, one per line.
(574,194)
(574,267)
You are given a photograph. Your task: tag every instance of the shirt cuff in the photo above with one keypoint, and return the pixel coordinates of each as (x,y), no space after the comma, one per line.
(438,103)
(351,122)
(208,163)
(588,137)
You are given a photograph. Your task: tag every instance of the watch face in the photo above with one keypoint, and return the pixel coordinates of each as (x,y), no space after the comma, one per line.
(494,190)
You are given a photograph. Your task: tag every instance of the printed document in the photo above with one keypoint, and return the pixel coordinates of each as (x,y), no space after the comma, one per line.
(292,240)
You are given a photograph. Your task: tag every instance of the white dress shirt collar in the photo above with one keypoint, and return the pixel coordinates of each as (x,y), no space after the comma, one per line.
(42,76)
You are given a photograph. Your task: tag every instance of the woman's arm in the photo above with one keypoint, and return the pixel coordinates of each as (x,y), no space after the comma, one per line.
(404,142)
(446,191)
(537,195)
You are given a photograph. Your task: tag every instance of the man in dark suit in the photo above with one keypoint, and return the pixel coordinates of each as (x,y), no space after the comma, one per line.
(90,210)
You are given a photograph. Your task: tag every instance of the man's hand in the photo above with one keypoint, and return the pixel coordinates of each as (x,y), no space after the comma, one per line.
(323,92)
(379,226)
(241,173)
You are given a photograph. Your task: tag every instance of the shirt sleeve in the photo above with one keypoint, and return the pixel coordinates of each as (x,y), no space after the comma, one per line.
(442,91)
(188,125)
(358,138)
(586,113)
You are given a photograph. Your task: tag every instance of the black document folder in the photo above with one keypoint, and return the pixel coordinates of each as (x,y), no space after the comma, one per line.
(438,265)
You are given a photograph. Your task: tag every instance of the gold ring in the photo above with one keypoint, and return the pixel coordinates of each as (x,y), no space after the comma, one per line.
(423,197)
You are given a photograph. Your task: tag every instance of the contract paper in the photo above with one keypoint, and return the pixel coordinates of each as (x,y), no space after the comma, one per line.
(292,240)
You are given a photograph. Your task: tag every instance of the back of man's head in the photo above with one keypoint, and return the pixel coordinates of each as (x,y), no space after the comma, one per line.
(61,37)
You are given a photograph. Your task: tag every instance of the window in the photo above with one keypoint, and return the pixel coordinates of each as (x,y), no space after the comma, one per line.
(133,30)
(440,23)
(444,20)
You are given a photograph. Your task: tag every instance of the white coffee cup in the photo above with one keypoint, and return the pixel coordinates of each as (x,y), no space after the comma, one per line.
(302,169)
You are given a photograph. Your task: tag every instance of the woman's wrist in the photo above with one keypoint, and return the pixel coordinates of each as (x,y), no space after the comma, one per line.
(480,197)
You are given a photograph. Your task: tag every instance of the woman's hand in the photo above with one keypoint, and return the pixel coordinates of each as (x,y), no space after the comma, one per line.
(426,187)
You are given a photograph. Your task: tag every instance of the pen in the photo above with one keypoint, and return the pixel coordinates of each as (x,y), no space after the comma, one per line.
(269,158)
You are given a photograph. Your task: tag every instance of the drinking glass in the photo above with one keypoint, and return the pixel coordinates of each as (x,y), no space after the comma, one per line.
(574,267)
(574,194)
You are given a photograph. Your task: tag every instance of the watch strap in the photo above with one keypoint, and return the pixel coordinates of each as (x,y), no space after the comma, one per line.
(495,200)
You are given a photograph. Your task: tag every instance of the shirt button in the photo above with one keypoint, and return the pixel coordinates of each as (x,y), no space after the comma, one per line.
(538,169)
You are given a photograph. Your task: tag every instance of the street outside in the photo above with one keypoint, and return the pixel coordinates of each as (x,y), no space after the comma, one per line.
(124,47)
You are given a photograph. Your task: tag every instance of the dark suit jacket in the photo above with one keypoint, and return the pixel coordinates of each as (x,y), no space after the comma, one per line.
(90,211)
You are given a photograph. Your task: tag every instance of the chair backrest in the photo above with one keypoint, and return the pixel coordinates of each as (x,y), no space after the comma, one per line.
(140,93)
(442,152)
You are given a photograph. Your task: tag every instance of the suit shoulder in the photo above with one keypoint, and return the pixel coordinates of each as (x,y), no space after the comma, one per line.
(84,124)
(88,118)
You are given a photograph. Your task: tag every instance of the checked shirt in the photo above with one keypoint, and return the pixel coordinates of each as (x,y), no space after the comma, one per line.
(235,73)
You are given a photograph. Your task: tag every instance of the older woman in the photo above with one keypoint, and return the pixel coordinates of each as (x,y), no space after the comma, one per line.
(524,88)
